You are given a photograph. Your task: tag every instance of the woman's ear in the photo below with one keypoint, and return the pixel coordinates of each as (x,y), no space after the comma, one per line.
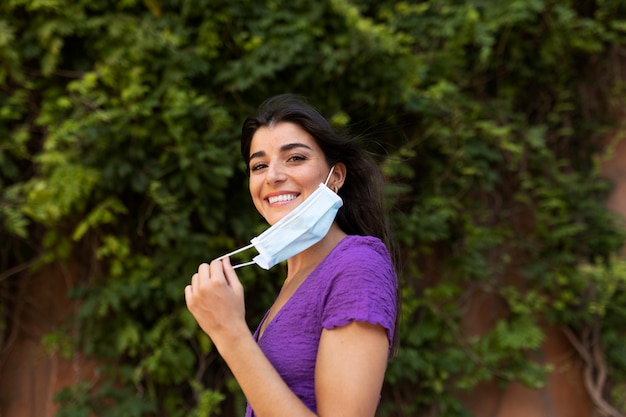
(338,177)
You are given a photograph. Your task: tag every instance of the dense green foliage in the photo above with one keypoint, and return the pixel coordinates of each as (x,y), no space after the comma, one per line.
(119,123)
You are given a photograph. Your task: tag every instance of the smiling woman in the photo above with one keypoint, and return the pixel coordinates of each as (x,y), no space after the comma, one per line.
(323,346)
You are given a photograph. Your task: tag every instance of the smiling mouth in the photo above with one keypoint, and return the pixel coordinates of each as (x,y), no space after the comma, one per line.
(281,198)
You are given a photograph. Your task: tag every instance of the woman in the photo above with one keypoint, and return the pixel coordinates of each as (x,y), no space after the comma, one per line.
(323,346)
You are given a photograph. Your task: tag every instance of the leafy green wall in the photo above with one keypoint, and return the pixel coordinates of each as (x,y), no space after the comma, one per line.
(118,148)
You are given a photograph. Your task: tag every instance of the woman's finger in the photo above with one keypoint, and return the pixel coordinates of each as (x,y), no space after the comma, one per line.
(188,295)
(203,272)
(231,275)
(217,271)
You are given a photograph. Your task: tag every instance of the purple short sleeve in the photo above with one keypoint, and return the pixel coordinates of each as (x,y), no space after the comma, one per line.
(363,288)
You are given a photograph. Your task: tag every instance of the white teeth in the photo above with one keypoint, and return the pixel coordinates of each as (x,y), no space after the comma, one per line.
(280,198)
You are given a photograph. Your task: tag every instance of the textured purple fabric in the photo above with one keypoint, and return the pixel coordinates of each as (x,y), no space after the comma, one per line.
(355,282)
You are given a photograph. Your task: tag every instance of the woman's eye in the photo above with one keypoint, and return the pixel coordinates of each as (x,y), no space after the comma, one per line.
(296,158)
(257,167)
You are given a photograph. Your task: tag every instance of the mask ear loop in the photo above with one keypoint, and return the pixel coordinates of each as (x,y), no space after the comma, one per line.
(329,174)
(235,252)
(243,264)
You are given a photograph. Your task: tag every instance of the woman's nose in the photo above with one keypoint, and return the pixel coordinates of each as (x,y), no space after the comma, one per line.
(275,174)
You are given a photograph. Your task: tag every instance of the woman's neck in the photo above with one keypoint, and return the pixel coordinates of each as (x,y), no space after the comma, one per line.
(304,262)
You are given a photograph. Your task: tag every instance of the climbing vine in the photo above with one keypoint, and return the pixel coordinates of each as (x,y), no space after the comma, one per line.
(118,150)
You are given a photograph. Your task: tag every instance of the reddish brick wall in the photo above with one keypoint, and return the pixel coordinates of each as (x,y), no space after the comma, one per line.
(30,376)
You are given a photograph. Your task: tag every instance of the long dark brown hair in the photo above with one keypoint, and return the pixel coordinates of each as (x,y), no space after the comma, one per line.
(362,191)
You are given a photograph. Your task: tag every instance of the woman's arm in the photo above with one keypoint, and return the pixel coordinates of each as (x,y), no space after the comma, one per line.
(350,365)
(350,370)
(215,299)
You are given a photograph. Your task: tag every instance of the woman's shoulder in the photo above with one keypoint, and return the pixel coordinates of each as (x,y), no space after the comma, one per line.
(356,260)
(355,255)
(362,246)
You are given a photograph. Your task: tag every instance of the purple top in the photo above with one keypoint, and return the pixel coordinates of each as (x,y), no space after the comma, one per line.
(355,282)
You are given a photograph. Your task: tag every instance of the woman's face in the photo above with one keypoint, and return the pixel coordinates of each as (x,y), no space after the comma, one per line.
(286,166)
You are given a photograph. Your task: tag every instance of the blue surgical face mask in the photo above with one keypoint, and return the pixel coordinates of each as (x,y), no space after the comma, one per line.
(300,229)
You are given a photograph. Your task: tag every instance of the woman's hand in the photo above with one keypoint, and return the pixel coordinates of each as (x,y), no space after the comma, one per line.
(215,298)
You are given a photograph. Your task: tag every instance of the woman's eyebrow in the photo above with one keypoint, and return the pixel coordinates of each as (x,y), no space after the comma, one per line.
(291,146)
(283,148)
(258,154)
